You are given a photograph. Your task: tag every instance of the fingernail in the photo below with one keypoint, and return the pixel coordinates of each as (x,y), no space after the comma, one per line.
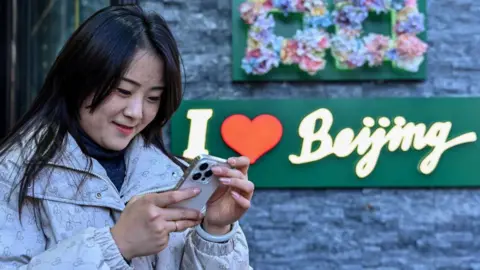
(225,180)
(235,194)
(201,215)
(196,190)
(216,170)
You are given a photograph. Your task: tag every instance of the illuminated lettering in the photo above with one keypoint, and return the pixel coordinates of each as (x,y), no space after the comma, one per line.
(369,141)
(198,132)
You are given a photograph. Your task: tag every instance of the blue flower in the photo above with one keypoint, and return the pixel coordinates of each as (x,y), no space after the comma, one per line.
(398,4)
(392,55)
(263,36)
(359,3)
(316,21)
(248,64)
(379,5)
(357,59)
(350,16)
(284,5)
(277,44)
(265,22)
(415,23)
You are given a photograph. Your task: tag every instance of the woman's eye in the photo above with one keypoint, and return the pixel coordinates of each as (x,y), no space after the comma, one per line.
(154,99)
(123,92)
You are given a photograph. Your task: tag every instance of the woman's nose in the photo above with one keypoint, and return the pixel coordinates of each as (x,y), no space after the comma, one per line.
(134,108)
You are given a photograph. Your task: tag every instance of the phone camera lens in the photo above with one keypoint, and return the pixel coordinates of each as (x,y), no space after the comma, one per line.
(208,173)
(204,166)
(197,176)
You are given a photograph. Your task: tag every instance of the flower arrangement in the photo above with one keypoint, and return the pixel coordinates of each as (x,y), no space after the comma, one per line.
(266,51)
(350,49)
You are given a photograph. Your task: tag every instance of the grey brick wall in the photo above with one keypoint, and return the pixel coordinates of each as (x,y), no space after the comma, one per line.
(347,229)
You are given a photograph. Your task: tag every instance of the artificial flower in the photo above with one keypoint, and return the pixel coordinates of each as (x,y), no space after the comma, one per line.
(349,32)
(315,7)
(409,52)
(288,54)
(277,44)
(411,23)
(260,61)
(262,29)
(307,48)
(314,39)
(300,5)
(356,59)
(349,16)
(316,21)
(348,51)
(285,6)
(398,4)
(378,6)
(410,46)
(411,3)
(249,11)
(267,4)
(311,65)
(376,47)
(392,54)
(409,64)
(359,3)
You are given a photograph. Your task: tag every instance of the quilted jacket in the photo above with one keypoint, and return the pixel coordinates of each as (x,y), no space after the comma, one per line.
(74,232)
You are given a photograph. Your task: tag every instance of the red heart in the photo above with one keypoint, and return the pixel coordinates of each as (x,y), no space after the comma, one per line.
(251,138)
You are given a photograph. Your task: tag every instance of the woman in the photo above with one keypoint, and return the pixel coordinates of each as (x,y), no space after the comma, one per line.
(85,175)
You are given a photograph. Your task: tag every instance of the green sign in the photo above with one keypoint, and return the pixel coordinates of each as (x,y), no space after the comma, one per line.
(341,143)
(328,40)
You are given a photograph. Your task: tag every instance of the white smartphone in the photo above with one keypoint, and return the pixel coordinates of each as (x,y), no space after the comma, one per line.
(199,174)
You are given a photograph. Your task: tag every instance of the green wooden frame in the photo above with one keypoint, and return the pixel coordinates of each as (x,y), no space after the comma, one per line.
(374,23)
(457,167)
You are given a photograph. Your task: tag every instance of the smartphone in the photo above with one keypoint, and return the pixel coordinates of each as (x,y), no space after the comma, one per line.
(199,174)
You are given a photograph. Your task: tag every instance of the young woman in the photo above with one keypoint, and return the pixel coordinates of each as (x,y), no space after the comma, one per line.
(84,174)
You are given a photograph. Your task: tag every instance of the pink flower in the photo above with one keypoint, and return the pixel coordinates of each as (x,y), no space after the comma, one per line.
(411,3)
(254,53)
(288,53)
(376,43)
(410,46)
(250,11)
(267,4)
(310,65)
(324,43)
(299,6)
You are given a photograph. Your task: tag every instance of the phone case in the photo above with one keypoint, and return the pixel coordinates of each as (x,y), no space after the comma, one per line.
(199,175)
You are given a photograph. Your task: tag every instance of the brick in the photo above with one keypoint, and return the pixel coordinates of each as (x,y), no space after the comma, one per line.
(453,85)
(332,229)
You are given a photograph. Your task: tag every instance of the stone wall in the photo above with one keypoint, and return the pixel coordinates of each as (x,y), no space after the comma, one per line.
(347,229)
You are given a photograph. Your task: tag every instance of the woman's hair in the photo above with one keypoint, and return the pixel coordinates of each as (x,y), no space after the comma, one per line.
(92,61)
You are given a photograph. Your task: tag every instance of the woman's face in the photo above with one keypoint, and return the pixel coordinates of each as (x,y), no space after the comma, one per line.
(130,107)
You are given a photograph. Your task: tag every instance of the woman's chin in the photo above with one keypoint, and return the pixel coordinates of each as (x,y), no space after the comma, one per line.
(117,144)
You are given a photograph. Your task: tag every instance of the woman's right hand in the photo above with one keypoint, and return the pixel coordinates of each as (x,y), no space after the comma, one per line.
(144,226)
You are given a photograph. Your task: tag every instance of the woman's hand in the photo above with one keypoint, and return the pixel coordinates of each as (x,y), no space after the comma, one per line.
(232,199)
(144,226)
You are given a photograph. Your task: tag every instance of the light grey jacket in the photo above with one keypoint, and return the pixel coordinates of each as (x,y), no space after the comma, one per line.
(76,225)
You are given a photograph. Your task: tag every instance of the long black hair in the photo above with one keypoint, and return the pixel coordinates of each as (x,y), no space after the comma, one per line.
(92,61)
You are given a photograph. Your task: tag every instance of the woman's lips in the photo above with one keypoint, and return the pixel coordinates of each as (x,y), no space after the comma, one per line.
(126,130)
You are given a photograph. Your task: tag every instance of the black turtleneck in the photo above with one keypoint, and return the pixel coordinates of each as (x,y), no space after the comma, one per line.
(112,161)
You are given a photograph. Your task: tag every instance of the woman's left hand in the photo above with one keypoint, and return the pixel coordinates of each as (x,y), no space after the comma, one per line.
(232,198)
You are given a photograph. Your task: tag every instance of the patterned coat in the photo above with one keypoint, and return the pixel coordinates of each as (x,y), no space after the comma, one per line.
(74,232)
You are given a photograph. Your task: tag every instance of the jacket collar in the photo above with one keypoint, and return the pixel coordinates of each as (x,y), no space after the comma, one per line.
(74,178)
